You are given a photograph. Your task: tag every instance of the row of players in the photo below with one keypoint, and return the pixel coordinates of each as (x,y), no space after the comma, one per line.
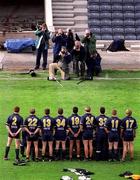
(108,131)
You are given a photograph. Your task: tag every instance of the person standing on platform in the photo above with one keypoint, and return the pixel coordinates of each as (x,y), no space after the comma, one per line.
(70,40)
(42,45)
(89,42)
(59,39)
(78,57)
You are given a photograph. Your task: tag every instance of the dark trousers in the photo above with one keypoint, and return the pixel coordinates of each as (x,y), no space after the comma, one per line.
(101,147)
(92,68)
(79,67)
(65,68)
(38,57)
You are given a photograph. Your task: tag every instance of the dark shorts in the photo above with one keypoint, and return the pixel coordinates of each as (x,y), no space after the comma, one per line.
(87,136)
(113,137)
(100,136)
(47,137)
(15,137)
(128,136)
(60,136)
(71,136)
(32,138)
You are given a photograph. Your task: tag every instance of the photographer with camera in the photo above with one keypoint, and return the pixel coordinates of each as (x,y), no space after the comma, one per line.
(59,39)
(78,57)
(42,45)
(70,40)
(62,64)
(89,42)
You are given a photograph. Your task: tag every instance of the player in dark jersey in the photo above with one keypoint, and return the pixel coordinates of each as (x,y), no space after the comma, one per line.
(87,126)
(101,136)
(74,132)
(112,128)
(47,125)
(60,134)
(14,126)
(128,133)
(32,126)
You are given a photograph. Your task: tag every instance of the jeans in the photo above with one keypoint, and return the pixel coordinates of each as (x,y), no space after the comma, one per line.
(38,57)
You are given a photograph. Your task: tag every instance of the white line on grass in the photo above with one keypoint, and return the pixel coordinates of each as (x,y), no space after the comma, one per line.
(97,78)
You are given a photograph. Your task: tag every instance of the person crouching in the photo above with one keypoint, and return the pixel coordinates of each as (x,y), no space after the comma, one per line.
(62,64)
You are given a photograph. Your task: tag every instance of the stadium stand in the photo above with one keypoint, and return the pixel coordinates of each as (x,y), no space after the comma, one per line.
(110,19)
(20,15)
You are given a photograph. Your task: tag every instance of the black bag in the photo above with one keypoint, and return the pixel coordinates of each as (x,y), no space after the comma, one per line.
(117,45)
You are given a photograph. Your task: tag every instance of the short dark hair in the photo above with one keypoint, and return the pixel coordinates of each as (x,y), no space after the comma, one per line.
(60,111)
(75,110)
(16,109)
(32,111)
(102,110)
(47,111)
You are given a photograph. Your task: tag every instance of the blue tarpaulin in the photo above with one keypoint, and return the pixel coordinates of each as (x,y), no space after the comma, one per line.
(17,45)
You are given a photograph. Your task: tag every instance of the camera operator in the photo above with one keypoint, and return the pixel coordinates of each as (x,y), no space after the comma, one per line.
(78,57)
(42,45)
(89,42)
(70,40)
(59,39)
(62,64)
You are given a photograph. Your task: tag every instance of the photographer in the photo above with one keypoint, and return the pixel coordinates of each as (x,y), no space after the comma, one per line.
(70,40)
(62,64)
(42,45)
(59,39)
(89,42)
(78,57)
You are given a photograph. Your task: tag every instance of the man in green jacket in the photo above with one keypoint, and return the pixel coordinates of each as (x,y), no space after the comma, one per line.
(89,42)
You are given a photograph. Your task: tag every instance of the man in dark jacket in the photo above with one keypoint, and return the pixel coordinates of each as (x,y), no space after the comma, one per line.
(59,39)
(70,40)
(78,57)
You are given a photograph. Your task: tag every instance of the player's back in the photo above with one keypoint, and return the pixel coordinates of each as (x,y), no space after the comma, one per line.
(47,124)
(32,122)
(113,124)
(129,123)
(100,123)
(60,123)
(87,121)
(14,121)
(74,122)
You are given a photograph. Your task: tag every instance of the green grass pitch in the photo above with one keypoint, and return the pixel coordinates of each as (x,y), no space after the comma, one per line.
(120,93)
